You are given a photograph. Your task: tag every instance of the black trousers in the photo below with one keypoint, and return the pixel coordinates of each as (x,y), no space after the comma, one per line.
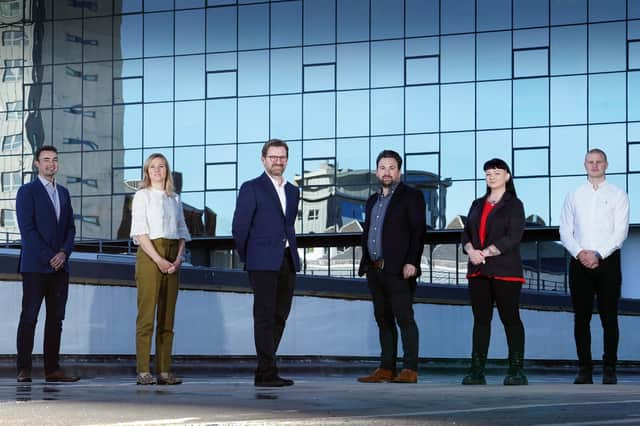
(603,282)
(393,304)
(272,296)
(484,292)
(53,288)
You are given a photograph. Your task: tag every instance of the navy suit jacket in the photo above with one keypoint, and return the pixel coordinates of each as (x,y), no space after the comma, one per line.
(260,229)
(43,235)
(403,231)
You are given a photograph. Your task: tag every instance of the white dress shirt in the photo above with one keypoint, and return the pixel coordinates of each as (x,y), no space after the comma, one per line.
(157,215)
(280,191)
(52,190)
(595,219)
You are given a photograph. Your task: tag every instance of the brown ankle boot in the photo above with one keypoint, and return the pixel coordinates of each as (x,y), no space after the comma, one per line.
(406,376)
(378,376)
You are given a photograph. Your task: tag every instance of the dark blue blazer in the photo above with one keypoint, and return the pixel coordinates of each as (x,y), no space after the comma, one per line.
(260,229)
(43,236)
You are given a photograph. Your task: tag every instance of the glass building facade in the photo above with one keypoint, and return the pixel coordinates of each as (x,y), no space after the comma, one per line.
(446,83)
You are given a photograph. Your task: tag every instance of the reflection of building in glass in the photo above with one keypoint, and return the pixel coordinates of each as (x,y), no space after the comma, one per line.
(327,206)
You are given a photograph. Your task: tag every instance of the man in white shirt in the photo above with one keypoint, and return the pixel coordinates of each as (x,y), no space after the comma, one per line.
(593,225)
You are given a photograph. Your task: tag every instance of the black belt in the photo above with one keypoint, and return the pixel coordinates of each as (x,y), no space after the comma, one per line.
(377,264)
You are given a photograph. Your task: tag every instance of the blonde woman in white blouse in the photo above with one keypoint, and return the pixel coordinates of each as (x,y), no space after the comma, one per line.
(158,227)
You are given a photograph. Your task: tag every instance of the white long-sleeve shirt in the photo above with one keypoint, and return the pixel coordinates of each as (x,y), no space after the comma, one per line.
(595,219)
(158,215)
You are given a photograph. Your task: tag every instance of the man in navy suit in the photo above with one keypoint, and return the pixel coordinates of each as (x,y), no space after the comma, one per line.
(392,245)
(263,229)
(45,218)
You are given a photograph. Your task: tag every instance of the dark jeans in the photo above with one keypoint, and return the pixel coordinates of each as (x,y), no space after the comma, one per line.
(484,292)
(393,303)
(272,296)
(603,282)
(53,288)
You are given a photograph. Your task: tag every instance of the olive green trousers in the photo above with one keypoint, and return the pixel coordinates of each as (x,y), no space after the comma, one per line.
(157,295)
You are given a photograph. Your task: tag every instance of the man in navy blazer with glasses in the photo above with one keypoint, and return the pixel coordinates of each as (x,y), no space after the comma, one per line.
(45,218)
(263,230)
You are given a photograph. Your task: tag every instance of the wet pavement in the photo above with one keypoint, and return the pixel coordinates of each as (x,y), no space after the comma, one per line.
(321,399)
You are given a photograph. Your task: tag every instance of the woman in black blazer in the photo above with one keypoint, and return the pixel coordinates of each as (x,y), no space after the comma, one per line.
(491,239)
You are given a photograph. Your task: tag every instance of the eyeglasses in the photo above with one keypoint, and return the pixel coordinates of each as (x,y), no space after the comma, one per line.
(280,158)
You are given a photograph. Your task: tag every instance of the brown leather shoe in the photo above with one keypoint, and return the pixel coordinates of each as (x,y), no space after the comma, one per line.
(378,376)
(406,376)
(59,376)
(24,376)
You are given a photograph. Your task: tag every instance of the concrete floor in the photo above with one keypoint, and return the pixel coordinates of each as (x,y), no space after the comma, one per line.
(320,399)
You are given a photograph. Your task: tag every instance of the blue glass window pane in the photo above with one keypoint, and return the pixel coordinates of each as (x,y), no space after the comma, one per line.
(158,79)
(534,194)
(221,84)
(353,20)
(531,102)
(353,113)
(386,63)
(460,195)
(633,11)
(286,117)
(457,107)
(286,70)
(633,131)
(189,81)
(422,143)
(634,55)
(150,6)
(64,50)
(525,138)
(189,123)
(158,124)
(420,163)
(128,6)
(422,17)
(319,54)
(537,37)
(494,55)
(612,139)
(494,15)
(457,154)
(98,38)
(221,154)
(530,13)
(353,66)
(492,144)
(221,29)
(319,115)
(568,145)
(253,119)
(422,70)
(253,73)
(253,24)
(422,113)
(387,19)
(530,162)
(633,97)
(190,32)
(607,47)
(319,77)
(458,16)
(569,100)
(353,154)
(286,24)
(319,21)
(634,157)
(457,58)
(221,121)
(127,90)
(158,34)
(220,2)
(494,105)
(381,143)
(188,4)
(424,46)
(568,12)
(607,98)
(221,176)
(189,162)
(569,50)
(387,111)
(633,30)
(130,36)
(129,134)
(607,10)
(530,62)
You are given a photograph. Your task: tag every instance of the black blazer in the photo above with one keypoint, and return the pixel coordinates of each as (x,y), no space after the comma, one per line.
(505,226)
(402,230)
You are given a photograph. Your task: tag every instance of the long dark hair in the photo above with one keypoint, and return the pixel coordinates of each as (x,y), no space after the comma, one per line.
(497,163)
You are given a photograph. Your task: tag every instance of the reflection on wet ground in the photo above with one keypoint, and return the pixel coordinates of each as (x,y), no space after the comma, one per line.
(550,399)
